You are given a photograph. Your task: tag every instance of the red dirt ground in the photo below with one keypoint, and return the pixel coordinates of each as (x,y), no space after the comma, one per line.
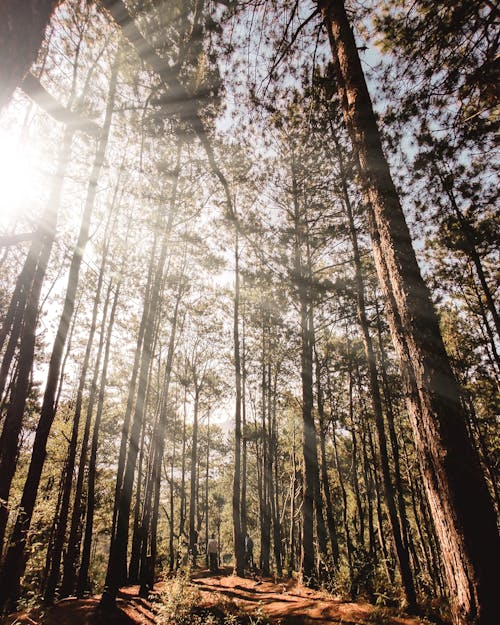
(285,603)
(289,603)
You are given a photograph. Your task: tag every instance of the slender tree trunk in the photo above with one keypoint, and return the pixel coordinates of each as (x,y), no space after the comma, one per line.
(238,537)
(244,442)
(207,476)
(354,459)
(277,537)
(193,534)
(182,506)
(36,267)
(83,581)
(171,551)
(460,503)
(137,533)
(291,539)
(61,519)
(147,565)
(323,558)
(325,480)
(72,556)
(345,519)
(401,549)
(265,516)
(390,417)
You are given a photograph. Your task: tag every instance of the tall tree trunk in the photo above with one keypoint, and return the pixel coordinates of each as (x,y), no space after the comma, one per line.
(291,538)
(360,526)
(22,29)
(137,534)
(238,537)
(33,274)
(83,581)
(345,519)
(401,548)
(460,502)
(72,555)
(149,558)
(390,417)
(277,546)
(171,536)
(116,569)
(325,480)
(207,484)
(182,503)
(308,556)
(244,441)
(62,517)
(193,533)
(323,559)
(265,516)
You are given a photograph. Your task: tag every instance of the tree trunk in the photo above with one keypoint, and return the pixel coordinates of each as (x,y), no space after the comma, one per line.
(402,554)
(116,569)
(238,537)
(149,558)
(83,581)
(36,267)
(137,533)
(460,503)
(325,480)
(62,517)
(22,29)
(72,555)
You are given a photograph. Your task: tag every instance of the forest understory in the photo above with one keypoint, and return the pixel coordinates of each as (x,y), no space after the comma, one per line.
(222,599)
(249,309)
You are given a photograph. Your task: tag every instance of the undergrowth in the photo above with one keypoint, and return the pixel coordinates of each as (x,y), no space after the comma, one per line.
(180,603)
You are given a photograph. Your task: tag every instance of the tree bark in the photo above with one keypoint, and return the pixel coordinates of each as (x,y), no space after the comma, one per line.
(460,503)
(402,553)
(13,421)
(238,537)
(62,516)
(82,582)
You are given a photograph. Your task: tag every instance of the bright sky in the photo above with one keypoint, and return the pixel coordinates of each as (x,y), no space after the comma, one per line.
(16,178)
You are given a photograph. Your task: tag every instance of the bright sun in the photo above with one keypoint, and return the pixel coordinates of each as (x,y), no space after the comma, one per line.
(15,179)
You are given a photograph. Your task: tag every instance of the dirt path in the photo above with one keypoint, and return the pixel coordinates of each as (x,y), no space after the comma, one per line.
(289,603)
(282,603)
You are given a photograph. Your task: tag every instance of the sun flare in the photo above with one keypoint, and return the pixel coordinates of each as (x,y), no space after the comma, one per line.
(15,178)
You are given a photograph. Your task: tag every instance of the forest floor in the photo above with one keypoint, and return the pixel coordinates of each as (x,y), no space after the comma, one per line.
(212,599)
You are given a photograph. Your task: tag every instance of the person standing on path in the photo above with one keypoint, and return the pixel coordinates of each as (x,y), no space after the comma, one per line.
(213,550)
(249,552)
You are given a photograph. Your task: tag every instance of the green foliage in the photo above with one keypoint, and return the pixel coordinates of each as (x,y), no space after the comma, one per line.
(179,603)
(177,600)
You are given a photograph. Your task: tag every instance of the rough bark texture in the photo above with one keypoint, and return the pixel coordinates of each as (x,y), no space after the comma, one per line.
(402,555)
(460,503)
